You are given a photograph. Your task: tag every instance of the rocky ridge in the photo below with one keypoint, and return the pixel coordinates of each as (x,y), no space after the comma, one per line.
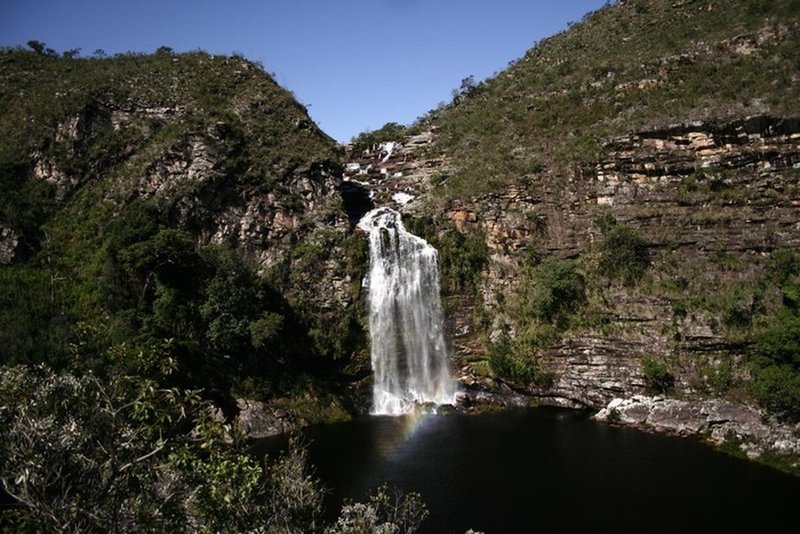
(192,172)
(136,183)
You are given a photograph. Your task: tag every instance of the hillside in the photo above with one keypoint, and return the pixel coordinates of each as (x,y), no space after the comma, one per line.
(626,204)
(180,197)
(631,67)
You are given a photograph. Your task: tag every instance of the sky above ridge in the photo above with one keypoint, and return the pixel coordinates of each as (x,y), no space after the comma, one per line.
(356,64)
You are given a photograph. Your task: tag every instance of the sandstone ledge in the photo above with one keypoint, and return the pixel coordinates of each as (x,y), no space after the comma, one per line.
(716,420)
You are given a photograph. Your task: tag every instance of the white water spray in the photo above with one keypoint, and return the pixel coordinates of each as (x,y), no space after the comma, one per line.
(409,355)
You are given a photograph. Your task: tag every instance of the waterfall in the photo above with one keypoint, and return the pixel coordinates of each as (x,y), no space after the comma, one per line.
(409,355)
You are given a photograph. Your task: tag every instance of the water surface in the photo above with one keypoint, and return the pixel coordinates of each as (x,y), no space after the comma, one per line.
(545,470)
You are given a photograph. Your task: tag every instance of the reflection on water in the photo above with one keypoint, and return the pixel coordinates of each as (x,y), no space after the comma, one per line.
(549,471)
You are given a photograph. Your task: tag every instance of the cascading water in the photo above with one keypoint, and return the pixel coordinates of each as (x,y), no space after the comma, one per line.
(409,355)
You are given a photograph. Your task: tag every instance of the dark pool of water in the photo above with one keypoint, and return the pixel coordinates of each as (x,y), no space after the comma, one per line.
(543,470)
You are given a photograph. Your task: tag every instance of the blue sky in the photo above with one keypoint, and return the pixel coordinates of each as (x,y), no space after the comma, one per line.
(356,64)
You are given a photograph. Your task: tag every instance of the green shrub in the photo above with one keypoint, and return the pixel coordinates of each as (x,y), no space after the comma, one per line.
(775,356)
(508,363)
(385,511)
(776,365)
(265,330)
(658,375)
(623,253)
(777,387)
(779,341)
(718,379)
(783,265)
(554,290)
(537,221)
(462,257)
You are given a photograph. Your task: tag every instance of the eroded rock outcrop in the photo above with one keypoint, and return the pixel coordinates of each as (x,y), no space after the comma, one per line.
(397,174)
(717,420)
(258,420)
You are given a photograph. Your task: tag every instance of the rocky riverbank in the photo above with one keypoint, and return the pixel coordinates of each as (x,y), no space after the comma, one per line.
(722,423)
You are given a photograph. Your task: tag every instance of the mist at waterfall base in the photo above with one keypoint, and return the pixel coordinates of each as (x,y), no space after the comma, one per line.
(408,349)
(548,470)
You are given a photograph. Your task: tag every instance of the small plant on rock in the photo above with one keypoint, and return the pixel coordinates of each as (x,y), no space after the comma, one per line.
(658,375)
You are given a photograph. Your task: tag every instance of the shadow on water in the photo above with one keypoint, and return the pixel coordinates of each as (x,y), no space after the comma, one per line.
(548,470)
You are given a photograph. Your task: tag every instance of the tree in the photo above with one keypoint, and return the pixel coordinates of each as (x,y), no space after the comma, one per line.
(81,453)
(36,46)
(467,88)
(41,49)
(468,85)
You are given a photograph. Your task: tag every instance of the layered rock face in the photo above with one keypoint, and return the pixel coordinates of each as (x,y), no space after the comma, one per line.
(713,201)
(697,192)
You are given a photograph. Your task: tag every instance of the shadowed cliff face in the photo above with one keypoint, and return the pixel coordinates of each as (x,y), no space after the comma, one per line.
(245,168)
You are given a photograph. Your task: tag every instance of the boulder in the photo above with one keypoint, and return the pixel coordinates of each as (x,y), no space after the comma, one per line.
(259,420)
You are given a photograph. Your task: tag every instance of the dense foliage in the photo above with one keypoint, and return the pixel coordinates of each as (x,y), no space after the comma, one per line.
(122,453)
(658,376)
(96,246)
(776,360)
(623,252)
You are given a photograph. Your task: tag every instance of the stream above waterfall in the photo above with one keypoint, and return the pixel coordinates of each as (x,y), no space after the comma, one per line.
(548,470)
